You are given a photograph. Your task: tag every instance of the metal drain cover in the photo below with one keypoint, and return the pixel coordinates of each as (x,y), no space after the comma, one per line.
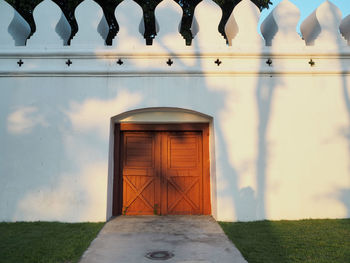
(159,255)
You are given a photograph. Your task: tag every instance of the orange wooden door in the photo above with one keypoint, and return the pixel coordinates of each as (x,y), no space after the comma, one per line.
(163,173)
(141,184)
(181,172)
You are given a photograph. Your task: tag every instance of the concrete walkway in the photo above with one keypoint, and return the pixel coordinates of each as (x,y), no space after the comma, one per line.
(189,239)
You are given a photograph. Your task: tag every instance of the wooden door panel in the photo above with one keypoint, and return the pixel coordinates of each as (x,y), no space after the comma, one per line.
(163,171)
(139,150)
(183,195)
(139,194)
(182,151)
(139,170)
(182,172)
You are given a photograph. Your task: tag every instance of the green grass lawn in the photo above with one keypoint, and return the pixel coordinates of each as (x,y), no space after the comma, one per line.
(318,241)
(45,241)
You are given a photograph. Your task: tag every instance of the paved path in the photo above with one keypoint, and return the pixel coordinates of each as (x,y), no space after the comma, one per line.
(191,239)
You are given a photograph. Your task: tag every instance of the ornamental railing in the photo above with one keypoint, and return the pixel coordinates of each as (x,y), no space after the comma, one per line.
(325,29)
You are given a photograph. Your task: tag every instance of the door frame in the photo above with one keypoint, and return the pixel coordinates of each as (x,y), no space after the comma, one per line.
(117,173)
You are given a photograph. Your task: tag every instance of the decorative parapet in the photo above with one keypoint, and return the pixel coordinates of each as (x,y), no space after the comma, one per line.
(321,28)
(345,28)
(279,28)
(52,28)
(14,30)
(92,25)
(285,52)
(168,14)
(241,27)
(205,25)
(130,20)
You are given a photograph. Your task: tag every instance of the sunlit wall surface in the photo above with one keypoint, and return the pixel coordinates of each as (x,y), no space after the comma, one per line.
(278,107)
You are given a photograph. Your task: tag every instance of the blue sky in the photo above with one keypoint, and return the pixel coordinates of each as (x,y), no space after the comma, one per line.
(308,6)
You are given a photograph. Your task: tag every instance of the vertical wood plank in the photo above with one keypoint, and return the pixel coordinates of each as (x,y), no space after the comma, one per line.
(163,163)
(206,172)
(158,172)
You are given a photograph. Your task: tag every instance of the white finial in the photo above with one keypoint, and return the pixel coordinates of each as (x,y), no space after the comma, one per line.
(92,25)
(241,27)
(129,16)
(207,15)
(279,28)
(14,30)
(47,16)
(168,15)
(321,28)
(345,28)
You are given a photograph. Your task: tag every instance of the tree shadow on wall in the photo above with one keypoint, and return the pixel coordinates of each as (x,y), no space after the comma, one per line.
(248,205)
(264,96)
(59,159)
(344,193)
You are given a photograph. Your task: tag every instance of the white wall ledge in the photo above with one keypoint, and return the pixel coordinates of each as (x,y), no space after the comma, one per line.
(106,65)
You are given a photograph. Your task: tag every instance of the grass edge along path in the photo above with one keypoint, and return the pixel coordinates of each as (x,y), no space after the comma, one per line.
(46,242)
(312,241)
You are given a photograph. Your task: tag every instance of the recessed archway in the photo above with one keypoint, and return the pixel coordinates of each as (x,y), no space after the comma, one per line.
(156,117)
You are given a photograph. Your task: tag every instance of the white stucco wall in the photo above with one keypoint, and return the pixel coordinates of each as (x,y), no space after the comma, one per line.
(279,138)
(281,143)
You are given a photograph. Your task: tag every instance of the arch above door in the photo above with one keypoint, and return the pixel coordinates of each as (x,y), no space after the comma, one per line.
(159,122)
(162,115)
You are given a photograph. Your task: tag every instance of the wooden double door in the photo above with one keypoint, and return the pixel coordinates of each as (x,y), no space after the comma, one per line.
(164,170)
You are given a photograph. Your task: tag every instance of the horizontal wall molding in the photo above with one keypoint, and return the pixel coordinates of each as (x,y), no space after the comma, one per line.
(105,64)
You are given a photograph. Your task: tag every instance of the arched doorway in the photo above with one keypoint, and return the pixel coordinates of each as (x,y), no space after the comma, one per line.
(161,162)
